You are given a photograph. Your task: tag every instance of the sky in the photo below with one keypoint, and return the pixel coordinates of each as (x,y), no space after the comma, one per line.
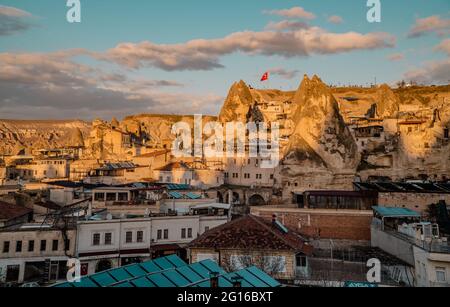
(182,56)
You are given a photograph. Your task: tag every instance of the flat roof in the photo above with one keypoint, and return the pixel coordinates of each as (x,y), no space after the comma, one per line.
(395,212)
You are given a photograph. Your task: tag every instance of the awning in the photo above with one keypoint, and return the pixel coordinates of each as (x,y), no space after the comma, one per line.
(395,212)
(215,206)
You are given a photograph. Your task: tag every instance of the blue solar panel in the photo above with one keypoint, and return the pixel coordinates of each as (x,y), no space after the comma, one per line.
(143,282)
(64,285)
(85,283)
(200,269)
(252,279)
(103,279)
(176,261)
(212,266)
(136,270)
(163,263)
(150,267)
(176,278)
(263,276)
(190,274)
(124,285)
(161,281)
(120,274)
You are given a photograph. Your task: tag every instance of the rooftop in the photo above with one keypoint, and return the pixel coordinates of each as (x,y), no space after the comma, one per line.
(9,211)
(251,232)
(172,272)
(420,187)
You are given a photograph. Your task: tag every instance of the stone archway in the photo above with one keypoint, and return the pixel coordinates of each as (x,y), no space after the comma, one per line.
(103,265)
(257,200)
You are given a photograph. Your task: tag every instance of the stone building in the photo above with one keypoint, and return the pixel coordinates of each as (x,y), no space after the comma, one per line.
(250,240)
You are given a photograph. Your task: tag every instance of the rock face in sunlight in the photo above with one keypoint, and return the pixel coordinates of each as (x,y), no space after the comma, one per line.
(388,104)
(25,136)
(237,104)
(320,126)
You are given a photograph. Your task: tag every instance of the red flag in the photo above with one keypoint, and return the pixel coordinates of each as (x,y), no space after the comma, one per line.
(265,77)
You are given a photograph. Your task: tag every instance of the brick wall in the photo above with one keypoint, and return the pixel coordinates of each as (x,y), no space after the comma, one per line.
(324,224)
(415,201)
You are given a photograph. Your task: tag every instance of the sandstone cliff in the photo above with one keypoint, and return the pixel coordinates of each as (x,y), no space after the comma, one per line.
(320,131)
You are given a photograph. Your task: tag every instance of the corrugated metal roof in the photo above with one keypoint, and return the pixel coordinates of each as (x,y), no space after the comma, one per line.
(395,212)
(171,271)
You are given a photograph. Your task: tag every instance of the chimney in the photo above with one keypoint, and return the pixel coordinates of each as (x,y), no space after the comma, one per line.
(237,282)
(214,279)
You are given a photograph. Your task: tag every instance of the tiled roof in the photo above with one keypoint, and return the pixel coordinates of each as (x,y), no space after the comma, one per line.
(10,211)
(174,166)
(251,232)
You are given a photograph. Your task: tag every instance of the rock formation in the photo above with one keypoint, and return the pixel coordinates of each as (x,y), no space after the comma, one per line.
(320,129)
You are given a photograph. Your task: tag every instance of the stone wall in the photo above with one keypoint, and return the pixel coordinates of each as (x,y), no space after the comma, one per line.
(323,224)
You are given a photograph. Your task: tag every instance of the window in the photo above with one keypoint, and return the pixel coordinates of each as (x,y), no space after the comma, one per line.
(189,232)
(67,245)
(441,275)
(271,177)
(129,237)
(301,261)
(43,245)
(110,196)
(258,176)
(166,234)
(183,233)
(18,246)
(55,244)
(6,247)
(140,236)
(159,235)
(99,196)
(123,196)
(108,238)
(96,239)
(31,246)
(206,228)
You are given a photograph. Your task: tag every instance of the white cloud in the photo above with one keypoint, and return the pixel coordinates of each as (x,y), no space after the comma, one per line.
(444,46)
(13,20)
(204,54)
(284,73)
(434,72)
(295,12)
(287,25)
(432,24)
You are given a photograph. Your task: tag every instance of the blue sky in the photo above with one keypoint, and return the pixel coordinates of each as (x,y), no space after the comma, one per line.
(108,23)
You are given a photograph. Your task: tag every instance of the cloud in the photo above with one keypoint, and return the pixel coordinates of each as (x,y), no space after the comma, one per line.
(13,20)
(396,57)
(204,54)
(287,25)
(335,19)
(295,12)
(284,73)
(435,72)
(51,85)
(432,24)
(444,46)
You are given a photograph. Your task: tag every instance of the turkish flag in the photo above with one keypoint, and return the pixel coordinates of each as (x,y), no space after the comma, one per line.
(265,77)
